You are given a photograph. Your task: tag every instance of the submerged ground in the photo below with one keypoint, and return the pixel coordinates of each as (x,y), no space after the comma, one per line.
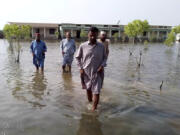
(53,103)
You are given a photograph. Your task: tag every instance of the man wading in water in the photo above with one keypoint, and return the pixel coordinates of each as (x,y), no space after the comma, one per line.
(91,59)
(103,40)
(38,49)
(68,49)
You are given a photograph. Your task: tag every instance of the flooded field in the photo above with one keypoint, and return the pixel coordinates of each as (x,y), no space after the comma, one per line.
(54,104)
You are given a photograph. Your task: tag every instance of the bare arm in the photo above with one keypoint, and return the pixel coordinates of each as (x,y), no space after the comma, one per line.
(31,48)
(104,60)
(61,47)
(74,47)
(107,49)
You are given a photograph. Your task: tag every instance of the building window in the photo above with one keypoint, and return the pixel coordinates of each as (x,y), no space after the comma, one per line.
(144,33)
(115,25)
(52,31)
(37,30)
(87,25)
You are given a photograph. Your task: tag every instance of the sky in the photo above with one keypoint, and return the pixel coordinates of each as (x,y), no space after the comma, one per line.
(157,12)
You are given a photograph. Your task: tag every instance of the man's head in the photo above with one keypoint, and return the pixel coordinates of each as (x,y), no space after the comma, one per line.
(103,35)
(68,35)
(93,34)
(38,37)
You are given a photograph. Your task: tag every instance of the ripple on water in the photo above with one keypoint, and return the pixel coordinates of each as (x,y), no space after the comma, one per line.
(54,103)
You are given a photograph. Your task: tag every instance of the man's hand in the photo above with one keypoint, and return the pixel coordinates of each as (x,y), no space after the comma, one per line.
(100,69)
(81,71)
(33,54)
(63,53)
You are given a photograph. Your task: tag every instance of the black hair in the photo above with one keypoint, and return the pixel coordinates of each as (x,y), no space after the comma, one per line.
(94,29)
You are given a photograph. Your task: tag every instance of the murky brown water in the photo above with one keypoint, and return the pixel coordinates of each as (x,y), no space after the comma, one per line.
(54,104)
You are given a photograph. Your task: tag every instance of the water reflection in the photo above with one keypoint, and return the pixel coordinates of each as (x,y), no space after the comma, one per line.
(39,85)
(18,84)
(126,95)
(132,70)
(67,81)
(89,125)
(32,93)
(139,74)
(68,95)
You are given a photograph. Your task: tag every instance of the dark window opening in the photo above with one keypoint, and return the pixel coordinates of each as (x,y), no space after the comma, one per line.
(78,34)
(52,31)
(87,25)
(114,32)
(144,33)
(37,30)
(115,25)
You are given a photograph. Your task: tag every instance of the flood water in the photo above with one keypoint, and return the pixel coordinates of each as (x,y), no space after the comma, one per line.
(53,103)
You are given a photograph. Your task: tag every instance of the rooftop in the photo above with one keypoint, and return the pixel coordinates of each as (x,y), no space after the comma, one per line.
(49,25)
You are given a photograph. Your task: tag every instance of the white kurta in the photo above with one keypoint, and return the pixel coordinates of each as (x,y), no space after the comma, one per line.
(89,58)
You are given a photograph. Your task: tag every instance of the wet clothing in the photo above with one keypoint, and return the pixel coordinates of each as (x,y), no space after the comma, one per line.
(38,62)
(38,49)
(106,45)
(69,48)
(89,58)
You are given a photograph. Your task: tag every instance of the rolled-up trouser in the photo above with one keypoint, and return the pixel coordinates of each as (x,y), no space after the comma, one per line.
(38,62)
(67,60)
(93,83)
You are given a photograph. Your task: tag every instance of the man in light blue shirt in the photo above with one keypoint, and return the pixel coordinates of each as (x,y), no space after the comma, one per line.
(68,49)
(38,49)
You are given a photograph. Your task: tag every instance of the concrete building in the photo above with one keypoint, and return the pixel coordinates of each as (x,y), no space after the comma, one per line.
(75,29)
(47,30)
(156,31)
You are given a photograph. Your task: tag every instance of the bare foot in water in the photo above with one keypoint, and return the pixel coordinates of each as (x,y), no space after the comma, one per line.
(93,108)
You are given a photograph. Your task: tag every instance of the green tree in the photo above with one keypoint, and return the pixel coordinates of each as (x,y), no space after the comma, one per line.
(172,36)
(136,28)
(170,39)
(14,34)
(83,34)
(57,34)
(115,36)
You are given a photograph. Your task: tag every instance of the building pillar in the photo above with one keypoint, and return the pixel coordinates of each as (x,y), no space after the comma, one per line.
(62,33)
(119,33)
(32,32)
(110,33)
(149,35)
(44,32)
(157,35)
(72,34)
(167,34)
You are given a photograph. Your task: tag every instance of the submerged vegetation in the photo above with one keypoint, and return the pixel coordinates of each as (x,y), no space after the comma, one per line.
(14,35)
(172,36)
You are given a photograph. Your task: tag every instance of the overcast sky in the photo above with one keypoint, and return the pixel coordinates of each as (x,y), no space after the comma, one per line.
(157,12)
